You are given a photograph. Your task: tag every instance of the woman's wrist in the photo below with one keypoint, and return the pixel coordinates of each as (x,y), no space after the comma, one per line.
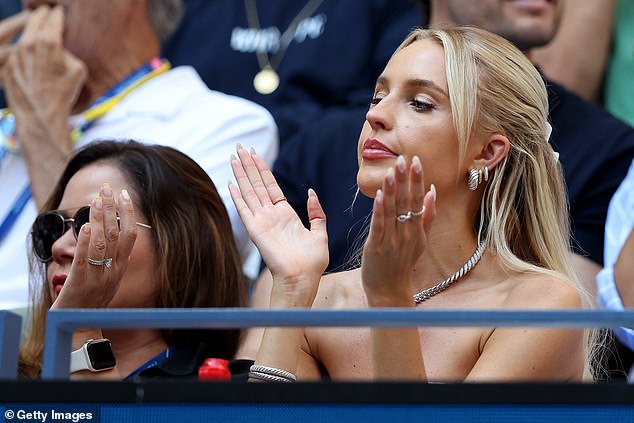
(298,292)
(81,336)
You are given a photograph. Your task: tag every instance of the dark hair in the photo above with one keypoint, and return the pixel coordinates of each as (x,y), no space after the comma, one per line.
(164,16)
(198,261)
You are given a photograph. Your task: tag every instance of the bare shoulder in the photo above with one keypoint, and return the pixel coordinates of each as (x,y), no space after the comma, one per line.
(341,290)
(542,291)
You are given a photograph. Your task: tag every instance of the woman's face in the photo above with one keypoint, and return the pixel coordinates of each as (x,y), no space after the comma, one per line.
(138,287)
(410,115)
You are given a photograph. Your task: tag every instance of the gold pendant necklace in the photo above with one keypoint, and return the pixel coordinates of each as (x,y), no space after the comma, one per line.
(267,80)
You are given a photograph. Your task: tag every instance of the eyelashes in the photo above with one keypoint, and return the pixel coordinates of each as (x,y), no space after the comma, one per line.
(422,105)
(418,105)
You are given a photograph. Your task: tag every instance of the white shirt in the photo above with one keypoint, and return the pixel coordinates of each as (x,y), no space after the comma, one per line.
(618,226)
(175,109)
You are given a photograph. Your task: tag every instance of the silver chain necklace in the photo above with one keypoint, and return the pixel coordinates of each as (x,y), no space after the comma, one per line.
(441,286)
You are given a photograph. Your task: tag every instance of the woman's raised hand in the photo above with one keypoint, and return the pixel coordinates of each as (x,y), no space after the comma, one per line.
(102,253)
(296,256)
(401,216)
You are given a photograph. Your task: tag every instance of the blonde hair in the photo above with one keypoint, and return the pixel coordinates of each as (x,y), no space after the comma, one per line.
(495,89)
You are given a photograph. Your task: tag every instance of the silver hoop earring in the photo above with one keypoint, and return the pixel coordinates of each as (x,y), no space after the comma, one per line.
(475,177)
(486,173)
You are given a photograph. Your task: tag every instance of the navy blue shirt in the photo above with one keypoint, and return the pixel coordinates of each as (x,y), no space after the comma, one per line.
(333,60)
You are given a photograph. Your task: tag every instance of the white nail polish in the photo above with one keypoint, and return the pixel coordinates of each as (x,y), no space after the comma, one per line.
(400,163)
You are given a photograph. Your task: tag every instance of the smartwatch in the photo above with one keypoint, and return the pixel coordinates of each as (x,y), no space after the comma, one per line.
(95,355)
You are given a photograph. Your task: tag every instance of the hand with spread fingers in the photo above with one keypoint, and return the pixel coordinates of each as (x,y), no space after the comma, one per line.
(42,81)
(296,256)
(102,252)
(401,217)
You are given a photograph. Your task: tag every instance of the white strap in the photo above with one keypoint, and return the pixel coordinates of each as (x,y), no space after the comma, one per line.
(79,360)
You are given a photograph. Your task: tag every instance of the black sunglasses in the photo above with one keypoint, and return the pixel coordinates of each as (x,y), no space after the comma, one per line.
(50,226)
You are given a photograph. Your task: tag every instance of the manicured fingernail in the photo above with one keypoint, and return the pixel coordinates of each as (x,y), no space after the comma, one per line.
(239,147)
(125,194)
(416,165)
(233,157)
(252,151)
(311,192)
(106,190)
(400,164)
(390,176)
(432,188)
(379,196)
(86,228)
(98,203)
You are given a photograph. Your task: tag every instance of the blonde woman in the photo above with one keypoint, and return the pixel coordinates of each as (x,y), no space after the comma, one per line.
(454,152)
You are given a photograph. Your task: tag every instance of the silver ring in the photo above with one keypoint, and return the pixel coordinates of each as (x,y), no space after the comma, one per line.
(418,213)
(404,217)
(105,262)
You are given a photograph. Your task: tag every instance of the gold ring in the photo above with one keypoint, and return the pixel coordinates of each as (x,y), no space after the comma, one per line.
(277,200)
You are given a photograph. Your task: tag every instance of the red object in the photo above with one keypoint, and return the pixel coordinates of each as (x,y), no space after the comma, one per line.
(214,369)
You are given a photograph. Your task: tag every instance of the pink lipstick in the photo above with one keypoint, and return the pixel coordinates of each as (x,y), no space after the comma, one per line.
(374,149)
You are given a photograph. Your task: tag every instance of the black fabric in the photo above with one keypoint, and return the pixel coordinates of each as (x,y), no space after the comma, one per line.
(184,362)
(596,150)
(332,62)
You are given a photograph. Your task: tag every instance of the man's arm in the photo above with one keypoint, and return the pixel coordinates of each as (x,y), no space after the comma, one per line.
(624,272)
(577,56)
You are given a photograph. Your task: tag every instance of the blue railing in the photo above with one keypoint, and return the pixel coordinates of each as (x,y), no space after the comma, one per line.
(62,323)
(10,325)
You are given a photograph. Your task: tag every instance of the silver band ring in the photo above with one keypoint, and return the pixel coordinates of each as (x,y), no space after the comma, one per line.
(278,200)
(418,213)
(405,217)
(105,262)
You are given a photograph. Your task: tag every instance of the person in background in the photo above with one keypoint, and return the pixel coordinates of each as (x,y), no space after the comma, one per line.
(298,59)
(455,153)
(8,8)
(132,225)
(86,70)
(615,282)
(619,90)
(577,58)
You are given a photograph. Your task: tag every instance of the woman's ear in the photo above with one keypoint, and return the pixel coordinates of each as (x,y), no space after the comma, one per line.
(493,151)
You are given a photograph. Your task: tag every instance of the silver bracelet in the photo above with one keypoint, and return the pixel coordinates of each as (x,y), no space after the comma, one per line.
(274,372)
(268,378)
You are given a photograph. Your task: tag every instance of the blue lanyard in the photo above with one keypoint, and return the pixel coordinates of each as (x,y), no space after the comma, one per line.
(15,211)
(158,359)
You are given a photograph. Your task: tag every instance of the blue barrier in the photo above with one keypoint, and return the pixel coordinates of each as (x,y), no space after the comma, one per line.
(61,323)
(10,327)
